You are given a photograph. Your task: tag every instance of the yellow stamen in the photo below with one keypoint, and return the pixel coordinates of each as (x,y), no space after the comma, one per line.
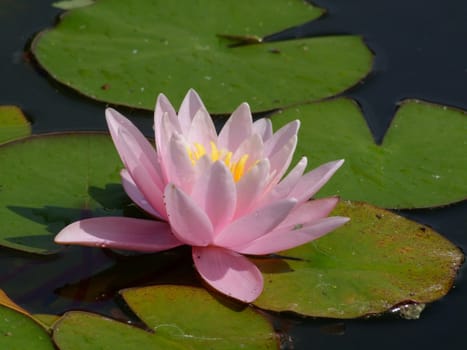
(215,154)
(200,150)
(236,168)
(239,168)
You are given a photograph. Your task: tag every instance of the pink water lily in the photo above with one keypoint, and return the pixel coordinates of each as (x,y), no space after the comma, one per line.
(223,194)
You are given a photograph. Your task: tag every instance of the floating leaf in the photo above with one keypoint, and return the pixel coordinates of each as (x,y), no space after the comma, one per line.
(374,262)
(82,330)
(18,331)
(418,165)
(180,317)
(198,318)
(13,124)
(47,182)
(46,319)
(126,52)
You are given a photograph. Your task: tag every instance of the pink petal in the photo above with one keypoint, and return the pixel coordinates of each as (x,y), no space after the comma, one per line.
(312,182)
(119,233)
(164,134)
(179,167)
(140,145)
(190,106)
(215,192)
(237,128)
(189,222)
(309,211)
(283,188)
(136,196)
(165,123)
(263,127)
(280,160)
(142,172)
(280,138)
(255,224)
(202,130)
(283,239)
(253,147)
(164,107)
(251,186)
(228,272)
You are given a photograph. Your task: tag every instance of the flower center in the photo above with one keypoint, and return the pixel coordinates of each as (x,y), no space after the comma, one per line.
(236,168)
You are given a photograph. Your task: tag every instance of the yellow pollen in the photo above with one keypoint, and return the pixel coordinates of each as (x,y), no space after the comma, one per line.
(236,168)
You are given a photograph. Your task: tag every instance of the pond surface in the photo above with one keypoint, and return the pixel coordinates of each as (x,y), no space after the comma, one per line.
(420,52)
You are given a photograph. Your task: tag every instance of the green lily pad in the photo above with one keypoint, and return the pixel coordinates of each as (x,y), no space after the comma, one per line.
(127,52)
(46,320)
(82,330)
(13,124)
(419,164)
(376,261)
(47,182)
(19,332)
(212,322)
(178,317)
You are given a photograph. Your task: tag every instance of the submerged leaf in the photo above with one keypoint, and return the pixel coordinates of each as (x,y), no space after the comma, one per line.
(374,262)
(126,52)
(419,164)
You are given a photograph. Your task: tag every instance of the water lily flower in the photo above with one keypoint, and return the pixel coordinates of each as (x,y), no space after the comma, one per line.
(223,194)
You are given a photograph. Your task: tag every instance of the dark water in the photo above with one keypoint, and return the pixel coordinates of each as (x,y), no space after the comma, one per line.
(420,52)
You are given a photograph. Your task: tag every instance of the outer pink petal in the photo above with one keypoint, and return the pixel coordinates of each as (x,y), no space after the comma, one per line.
(309,212)
(119,233)
(283,239)
(189,222)
(281,137)
(237,128)
(263,127)
(251,186)
(215,192)
(136,196)
(140,145)
(202,130)
(190,106)
(255,224)
(142,173)
(228,272)
(312,182)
